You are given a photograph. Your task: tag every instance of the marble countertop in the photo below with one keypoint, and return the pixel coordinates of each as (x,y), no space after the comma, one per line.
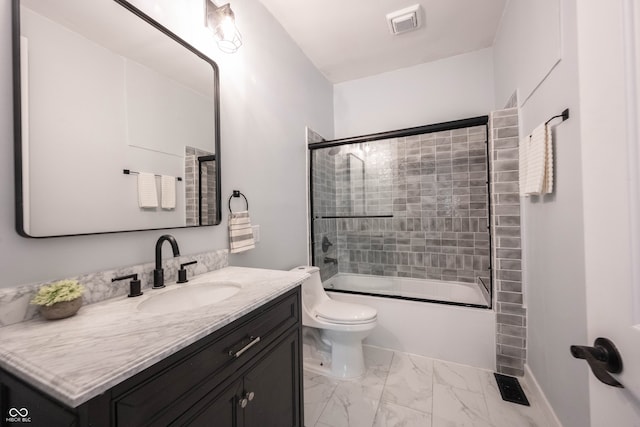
(78,358)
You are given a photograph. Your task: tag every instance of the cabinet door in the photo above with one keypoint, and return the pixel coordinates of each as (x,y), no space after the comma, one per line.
(275,384)
(219,409)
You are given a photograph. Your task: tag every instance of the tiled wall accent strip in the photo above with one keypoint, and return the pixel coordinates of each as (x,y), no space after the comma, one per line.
(14,302)
(511,316)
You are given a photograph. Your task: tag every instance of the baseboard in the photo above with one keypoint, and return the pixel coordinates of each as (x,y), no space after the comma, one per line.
(533,386)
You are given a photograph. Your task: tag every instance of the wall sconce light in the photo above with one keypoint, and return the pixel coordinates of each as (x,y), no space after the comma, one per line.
(221,21)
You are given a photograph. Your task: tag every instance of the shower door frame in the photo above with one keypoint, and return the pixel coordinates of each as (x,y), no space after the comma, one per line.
(418,130)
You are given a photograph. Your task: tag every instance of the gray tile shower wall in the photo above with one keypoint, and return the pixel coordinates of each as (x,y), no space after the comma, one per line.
(511,315)
(191,187)
(14,302)
(435,186)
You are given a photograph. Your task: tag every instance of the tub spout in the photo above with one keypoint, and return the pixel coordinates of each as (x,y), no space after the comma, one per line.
(329,260)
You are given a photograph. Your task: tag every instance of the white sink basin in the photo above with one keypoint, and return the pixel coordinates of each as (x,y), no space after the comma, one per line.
(189,297)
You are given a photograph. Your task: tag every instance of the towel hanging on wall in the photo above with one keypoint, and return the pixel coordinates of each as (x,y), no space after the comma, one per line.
(240,232)
(147,193)
(168,184)
(536,162)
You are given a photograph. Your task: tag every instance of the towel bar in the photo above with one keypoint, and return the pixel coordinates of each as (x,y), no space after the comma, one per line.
(130,172)
(237,193)
(564,115)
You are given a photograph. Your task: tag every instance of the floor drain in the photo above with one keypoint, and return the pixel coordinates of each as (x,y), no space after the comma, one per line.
(511,390)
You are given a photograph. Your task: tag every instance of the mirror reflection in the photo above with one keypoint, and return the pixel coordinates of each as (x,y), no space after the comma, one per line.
(98,99)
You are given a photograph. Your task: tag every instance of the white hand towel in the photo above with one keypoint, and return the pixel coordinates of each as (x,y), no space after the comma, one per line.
(536,165)
(547,187)
(147,193)
(240,232)
(168,184)
(536,162)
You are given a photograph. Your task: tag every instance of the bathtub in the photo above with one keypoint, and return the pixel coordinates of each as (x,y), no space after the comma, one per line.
(423,289)
(456,333)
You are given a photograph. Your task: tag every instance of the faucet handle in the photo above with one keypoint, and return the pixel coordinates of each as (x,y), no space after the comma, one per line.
(134,285)
(182,273)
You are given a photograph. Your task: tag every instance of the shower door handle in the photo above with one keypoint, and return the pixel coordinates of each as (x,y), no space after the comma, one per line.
(603,358)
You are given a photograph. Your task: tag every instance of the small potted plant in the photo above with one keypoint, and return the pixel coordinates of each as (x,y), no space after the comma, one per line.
(60,299)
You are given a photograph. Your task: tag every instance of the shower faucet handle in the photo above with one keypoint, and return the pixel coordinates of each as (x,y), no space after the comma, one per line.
(326,244)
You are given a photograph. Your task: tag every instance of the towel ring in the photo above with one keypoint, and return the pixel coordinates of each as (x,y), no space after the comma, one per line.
(237,193)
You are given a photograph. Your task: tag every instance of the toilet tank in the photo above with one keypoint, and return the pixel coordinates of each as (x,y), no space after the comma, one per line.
(312,291)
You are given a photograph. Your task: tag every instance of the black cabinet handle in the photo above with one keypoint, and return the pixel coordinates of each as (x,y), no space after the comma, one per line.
(603,358)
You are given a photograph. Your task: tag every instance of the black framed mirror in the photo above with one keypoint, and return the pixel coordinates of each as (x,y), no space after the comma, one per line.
(111,107)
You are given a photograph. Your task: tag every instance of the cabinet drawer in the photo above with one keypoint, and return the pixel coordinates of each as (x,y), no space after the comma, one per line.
(167,394)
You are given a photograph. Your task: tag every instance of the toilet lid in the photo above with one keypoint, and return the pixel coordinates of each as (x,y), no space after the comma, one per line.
(345,313)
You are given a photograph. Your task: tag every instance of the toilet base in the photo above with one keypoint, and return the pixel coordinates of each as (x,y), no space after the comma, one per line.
(317,366)
(347,359)
(343,358)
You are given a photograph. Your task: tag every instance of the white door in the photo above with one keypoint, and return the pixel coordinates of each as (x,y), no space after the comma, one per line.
(610,142)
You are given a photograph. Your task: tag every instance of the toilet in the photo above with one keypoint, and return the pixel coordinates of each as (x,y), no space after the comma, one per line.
(342,326)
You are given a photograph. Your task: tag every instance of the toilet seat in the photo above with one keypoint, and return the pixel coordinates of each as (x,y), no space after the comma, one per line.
(345,313)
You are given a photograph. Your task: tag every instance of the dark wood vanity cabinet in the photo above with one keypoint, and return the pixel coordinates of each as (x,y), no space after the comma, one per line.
(261,398)
(247,374)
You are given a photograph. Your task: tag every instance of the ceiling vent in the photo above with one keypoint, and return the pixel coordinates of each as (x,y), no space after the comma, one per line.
(404,20)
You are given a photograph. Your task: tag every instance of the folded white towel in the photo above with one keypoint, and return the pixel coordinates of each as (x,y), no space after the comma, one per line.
(240,232)
(147,193)
(168,184)
(536,162)
(547,187)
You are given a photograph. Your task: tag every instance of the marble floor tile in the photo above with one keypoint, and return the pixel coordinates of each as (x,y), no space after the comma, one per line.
(458,376)
(317,392)
(390,415)
(377,361)
(458,407)
(353,404)
(404,390)
(410,382)
(316,378)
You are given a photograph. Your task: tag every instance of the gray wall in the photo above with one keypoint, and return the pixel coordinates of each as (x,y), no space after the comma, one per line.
(451,88)
(553,230)
(270,91)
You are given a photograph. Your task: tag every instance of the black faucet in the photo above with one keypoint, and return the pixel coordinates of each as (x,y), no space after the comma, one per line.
(328,260)
(158,273)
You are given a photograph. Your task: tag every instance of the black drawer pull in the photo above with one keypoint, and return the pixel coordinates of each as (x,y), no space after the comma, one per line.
(252,341)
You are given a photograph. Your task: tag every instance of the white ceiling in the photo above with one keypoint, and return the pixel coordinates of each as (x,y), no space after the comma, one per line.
(350,39)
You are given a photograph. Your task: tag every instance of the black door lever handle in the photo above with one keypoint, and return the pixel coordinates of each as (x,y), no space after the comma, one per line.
(603,358)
